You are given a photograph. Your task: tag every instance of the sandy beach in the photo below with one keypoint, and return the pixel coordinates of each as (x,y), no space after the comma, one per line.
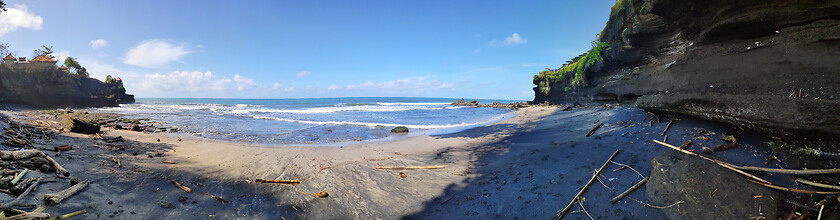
(525,167)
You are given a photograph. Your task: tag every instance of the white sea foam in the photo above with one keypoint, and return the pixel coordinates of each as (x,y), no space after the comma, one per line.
(323,110)
(375,124)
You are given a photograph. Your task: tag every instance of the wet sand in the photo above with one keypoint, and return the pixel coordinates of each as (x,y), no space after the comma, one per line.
(525,167)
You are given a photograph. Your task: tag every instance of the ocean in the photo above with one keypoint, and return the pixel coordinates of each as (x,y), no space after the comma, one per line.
(310,121)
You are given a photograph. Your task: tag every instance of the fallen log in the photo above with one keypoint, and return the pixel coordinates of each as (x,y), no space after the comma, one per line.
(57,166)
(181,186)
(563,212)
(594,129)
(19,154)
(816,184)
(625,193)
(276,181)
(666,128)
(14,202)
(55,198)
(412,167)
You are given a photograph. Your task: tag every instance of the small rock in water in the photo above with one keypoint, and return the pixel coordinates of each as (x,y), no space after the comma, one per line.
(400,129)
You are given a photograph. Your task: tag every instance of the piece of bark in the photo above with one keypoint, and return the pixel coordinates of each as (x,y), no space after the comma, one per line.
(685,145)
(276,181)
(168,162)
(56,165)
(181,186)
(63,148)
(412,167)
(594,129)
(55,198)
(19,154)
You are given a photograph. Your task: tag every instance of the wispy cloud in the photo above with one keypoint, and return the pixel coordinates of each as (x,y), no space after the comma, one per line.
(181,83)
(400,85)
(98,43)
(514,39)
(19,17)
(303,73)
(155,53)
(500,68)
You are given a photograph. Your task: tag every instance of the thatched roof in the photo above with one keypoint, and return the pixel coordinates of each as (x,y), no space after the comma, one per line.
(62,67)
(42,58)
(9,57)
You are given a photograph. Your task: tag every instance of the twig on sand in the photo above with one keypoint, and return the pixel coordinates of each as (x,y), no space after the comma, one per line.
(685,145)
(412,167)
(657,207)
(593,129)
(625,193)
(69,215)
(55,164)
(29,215)
(666,128)
(276,181)
(168,162)
(626,166)
(816,184)
(181,186)
(801,206)
(794,190)
(563,212)
(584,210)
(721,163)
(819,216)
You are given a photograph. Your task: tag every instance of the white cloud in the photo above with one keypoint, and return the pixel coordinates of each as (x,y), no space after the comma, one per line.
(195,83)
(514,39)
(61,55)
(19,17)
(303,73)
(400,85)
(98,43)
(155,53)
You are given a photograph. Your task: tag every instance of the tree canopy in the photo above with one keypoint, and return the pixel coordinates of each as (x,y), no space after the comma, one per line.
(47,51)
(2,6)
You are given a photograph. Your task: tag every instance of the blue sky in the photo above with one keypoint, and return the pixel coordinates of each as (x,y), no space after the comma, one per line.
(301,49)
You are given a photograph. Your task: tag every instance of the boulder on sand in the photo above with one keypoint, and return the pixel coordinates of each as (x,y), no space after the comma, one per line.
(399,130)
(78,126)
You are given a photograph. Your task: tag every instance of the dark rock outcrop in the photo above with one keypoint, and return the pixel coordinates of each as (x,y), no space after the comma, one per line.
(698,184)
(52,88)
(73,124)
(763,64)
(399,130)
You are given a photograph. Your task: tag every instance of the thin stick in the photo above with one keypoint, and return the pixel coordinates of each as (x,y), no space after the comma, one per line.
(800,94)
(816,184)
(685,145)
(593,129)
(276,181)
(26,215)
(181,186)
(801,206)
(625,193)
(666,128)
(657,207)
(721,163)
(820,215)
(563,212)
(789,171)
(587,213)
(795,190)
(626,166)
(57,166)
(168,162)
(413,167)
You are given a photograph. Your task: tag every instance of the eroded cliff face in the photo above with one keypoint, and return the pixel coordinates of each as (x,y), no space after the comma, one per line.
(770,65)
(51,88)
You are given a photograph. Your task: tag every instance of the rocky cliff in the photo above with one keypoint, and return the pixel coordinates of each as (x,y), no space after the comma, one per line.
(771,65)
(53,88)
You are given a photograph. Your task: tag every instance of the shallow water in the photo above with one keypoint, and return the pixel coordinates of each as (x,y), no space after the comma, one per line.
(309,121)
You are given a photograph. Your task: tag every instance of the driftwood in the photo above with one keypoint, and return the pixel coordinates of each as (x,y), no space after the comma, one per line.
(168,162)
(413,167)
(181,186)
(816,184)
(685,145)
(594,129)
(563,212)
(721,163)
(55,198)
(625,193)
(795,190)
(70,215)
(276,181)
(19,176)
(19,154)
(57,166)
(22,186)
(666,128)
(789,171)
(14,202)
